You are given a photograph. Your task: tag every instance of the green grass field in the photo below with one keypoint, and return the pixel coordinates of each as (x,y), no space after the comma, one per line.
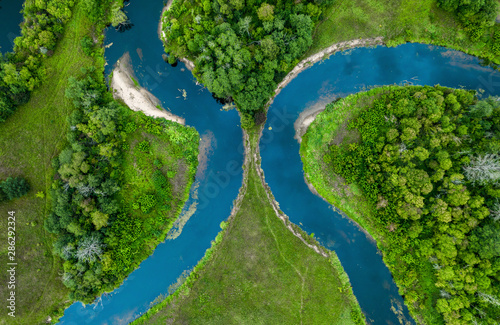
(398,22)
(260,273)
(28,141)
(331,127)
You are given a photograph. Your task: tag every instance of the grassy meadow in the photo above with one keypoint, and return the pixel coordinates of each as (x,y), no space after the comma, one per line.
(398,22)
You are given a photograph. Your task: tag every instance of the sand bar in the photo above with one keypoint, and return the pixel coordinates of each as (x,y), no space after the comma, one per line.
(137,98)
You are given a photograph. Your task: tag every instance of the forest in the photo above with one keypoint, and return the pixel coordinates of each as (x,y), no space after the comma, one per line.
(101,235)
(426,162)
(241,49)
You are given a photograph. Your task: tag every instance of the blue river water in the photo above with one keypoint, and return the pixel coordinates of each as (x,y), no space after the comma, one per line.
(10,18)
(219,179)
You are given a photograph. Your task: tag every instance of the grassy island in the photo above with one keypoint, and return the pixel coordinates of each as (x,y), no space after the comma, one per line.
(418,168)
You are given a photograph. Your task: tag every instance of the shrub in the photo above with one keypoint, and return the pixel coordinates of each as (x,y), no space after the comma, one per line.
(87,45)
(144,146)
(130,127)
(14,188)
(147,202)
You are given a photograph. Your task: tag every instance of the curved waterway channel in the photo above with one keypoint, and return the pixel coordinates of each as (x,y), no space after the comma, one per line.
(220,172)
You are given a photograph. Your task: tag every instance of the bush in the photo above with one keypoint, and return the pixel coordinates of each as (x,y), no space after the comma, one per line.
(247,121)
(144,146)
(13,188)
(495,44)
(147,202)
(87,45)
(130,127)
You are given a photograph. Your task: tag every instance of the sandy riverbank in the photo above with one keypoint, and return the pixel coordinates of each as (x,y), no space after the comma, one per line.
(307,116)
(307,62)
(137,98)
(161,34)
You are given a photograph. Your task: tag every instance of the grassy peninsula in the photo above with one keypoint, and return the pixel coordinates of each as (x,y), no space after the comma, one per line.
(404,162)
(258,272)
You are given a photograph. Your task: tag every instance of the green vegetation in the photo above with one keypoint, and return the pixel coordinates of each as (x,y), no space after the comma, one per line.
(44,23)
(159,167)
(39,129)
(418,167)
(241,50)
(258,272)
(45,126)
(409,21)
(103,232)
(21,71)
(13,188)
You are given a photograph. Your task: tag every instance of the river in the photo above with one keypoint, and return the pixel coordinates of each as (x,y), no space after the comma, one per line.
(219,179)
(10,18)
(343,74)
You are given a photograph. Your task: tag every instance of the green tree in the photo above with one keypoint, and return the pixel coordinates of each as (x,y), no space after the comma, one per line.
(265,12)
(269,48)
(14,187)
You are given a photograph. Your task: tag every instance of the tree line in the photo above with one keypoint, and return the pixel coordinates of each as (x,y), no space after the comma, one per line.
(427,160)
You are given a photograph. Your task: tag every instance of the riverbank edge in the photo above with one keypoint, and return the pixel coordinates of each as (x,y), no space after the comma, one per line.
(161,35)
(147,104)
(252,160)
(309,241)
(362,222)
(301,125)
(169,224)
(56,312)
(356,219)
(254,152)
(124,86)
(323,55)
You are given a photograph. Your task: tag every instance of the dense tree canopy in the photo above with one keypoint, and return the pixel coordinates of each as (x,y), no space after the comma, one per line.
(97,236)
(241,49)
(428,159)
(475,15)
(481,11)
